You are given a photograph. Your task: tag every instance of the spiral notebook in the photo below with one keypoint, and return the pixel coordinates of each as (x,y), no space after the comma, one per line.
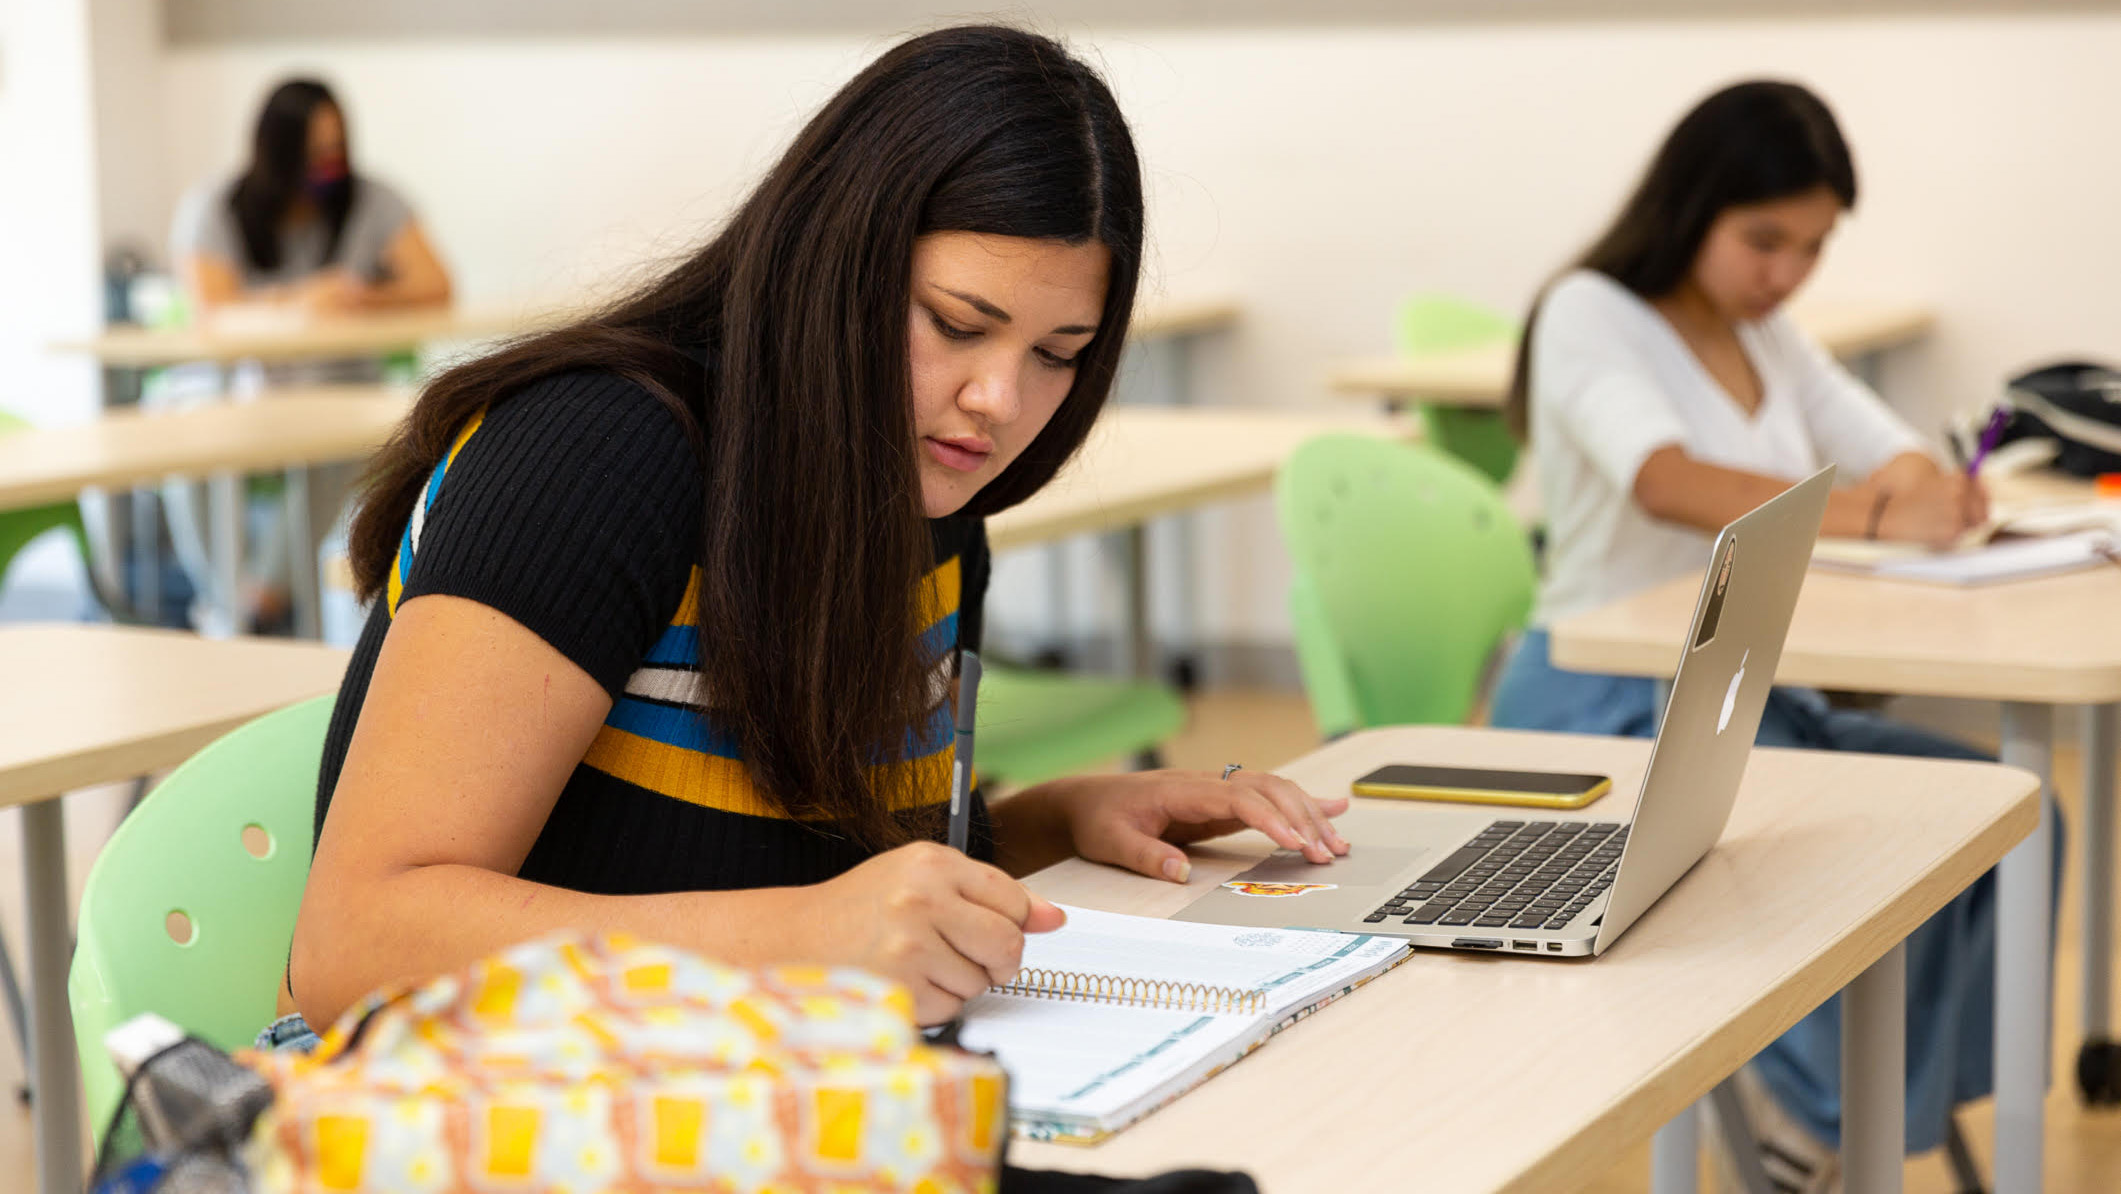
(1113,1016)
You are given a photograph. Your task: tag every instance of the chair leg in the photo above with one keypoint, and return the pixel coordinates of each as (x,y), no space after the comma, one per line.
(1965,1170)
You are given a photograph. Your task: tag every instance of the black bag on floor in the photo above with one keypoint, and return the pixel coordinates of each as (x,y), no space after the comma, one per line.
(2076,404)
(1182,1181)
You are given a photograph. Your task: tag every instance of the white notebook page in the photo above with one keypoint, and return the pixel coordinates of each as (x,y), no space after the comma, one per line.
(2007,559)
(1094,1062)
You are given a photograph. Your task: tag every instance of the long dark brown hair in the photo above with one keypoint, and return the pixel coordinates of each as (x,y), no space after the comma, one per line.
(813,540)
(278,175)
(1751,142)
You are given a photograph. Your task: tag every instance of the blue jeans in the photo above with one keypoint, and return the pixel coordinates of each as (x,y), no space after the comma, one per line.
(1951,958)
(288,1034)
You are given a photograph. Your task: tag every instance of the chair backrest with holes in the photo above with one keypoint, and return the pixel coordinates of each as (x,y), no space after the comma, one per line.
(1430,324)
(1409,572)
(190,908)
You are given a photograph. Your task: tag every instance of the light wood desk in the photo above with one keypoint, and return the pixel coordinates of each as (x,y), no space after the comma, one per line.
(1164,338)
(1460,1072)
(280,430)
(91,704)
(121,450)
(1142,462)
(1184,315)
(2033,645)
(1480,377)
(283,430)
(294,336)
(1145,462)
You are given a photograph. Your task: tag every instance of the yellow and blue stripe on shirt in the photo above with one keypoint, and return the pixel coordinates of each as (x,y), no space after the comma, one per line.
(662,736)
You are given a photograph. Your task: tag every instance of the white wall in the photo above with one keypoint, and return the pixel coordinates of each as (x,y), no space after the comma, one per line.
(132,164)
(48,212)
(1316,174)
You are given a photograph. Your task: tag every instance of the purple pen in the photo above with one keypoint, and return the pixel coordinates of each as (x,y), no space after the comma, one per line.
(1989,435)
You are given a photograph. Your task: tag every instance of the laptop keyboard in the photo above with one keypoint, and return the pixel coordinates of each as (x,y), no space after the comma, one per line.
(1515,874)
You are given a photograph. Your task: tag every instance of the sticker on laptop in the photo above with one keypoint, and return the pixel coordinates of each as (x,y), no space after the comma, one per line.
(1253,887)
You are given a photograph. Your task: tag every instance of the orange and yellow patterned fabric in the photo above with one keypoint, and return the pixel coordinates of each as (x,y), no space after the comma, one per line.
(582,1065)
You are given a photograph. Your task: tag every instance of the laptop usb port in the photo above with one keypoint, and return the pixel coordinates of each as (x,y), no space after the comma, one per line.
(1531,945)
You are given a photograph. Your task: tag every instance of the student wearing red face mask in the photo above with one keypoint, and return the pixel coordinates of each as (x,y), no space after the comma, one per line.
(300,226)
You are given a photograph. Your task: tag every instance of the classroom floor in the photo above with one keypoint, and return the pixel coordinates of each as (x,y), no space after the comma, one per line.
(1262,729)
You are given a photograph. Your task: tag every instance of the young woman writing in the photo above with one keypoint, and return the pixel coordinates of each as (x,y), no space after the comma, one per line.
(667,602)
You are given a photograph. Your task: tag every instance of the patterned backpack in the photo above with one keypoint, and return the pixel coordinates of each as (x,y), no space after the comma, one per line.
(610,1063)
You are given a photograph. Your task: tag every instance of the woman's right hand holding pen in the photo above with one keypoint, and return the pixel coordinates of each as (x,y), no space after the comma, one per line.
(924,915)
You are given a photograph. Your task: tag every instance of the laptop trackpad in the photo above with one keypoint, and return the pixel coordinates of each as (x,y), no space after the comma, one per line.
(1364,867)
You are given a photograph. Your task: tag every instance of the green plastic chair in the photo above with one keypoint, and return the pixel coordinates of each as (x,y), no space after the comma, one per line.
(1036,725)
(1409,572)
(18,527)
(192,859)
(1429,324)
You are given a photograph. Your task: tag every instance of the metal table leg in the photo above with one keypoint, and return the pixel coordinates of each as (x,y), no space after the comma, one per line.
(1675,1154)
(2099,1058)
(1135,628)
(303,584)
(2024,883)
(57,1110)
(146,509)
(1184,592)
(225,544)
(1874,1076)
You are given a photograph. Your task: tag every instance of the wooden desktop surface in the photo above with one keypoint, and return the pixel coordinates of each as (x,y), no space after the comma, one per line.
(284,428)
(129,447)
(1142,462)
(286,336)
(88,704)
(292,335)
(1463,1072)
(1185,315)
(2053,640)
(1478,377)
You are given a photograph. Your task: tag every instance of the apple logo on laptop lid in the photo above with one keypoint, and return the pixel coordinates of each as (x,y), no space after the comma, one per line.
(1730,695)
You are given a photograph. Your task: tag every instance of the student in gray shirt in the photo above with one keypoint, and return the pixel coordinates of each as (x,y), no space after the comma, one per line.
(299,226)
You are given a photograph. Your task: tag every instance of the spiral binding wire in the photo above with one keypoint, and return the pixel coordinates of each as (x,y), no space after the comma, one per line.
(1139,992)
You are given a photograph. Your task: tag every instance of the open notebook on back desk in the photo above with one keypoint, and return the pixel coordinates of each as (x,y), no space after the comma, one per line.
(2017,545)
(1113,1016)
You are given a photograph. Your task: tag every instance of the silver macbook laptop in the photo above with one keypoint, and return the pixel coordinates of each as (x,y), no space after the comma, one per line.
(1520,883)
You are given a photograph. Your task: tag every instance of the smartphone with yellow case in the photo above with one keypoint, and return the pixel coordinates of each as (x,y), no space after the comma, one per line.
(1480,785)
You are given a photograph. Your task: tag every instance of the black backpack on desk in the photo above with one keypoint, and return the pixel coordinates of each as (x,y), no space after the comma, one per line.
(2076,404)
